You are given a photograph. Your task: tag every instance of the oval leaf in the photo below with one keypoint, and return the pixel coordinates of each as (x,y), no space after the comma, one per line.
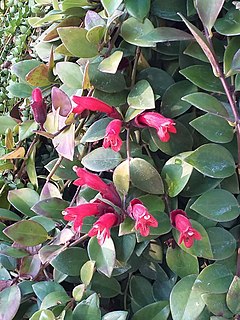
(23,199)
(10,299)
(141,96)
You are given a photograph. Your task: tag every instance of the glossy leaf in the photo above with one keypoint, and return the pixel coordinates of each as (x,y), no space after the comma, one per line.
(216,304)
(203,77)
(104,256)
(96,131)
(43,314)
(185,301)
(70,261)
(145,177)
(8,215)
(233,296)
(223,244)
(141,291)
(169,9)
(215,278)
(70,74)
(209,11)
(110,64)
(212,160)
(88,309)
(87,271)
(207,103)
(229,24)
(51,207)
(111,6)
(218,205)
(121,177)
(133,30)
(27,233)
(101,159)
(230,51)
(104,286)
(6,122)
(176,174)
(10,299)
(165,34)
(138,9)
(181,263)
(72,36)
(141,96)
(115,315)
(213,128)
(43,288)
(157,310)
(172,103)
(23,199)
(180,142)
(54,298)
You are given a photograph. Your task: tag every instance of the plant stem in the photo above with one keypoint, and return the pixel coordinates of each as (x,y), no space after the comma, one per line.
(238,262)
(134,71)
(57,164)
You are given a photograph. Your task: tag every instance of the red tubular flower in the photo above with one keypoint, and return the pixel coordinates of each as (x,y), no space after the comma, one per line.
(144,220)
(94,182)
(78,213)
(94,104)
(160,123)
(39,107)
(181,222)
(112,138)
(101,228)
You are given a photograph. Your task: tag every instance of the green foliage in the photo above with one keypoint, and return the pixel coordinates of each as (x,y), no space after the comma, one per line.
(113,114)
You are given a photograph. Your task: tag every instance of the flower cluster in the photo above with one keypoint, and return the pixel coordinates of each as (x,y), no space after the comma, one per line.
(107,216)
(181,222)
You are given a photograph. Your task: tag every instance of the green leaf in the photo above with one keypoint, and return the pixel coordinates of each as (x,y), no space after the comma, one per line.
(6,122)
(121,177)
(26,129)
(145,177)
(78,292)
(207,103)
(113,99)
(200,248)
(8,215)
(172,102)
(216,304)
(229,53)
(203,77)
(215,278)
(185,300)
(111,63)
(209,11)
(20,90)
(101,159)
(138,9)
(39,76)
(54,298)
(176,174)
(10,299)
(124,246)
(43,288)
(70,261)
(64,171)
(233,296)
(88,309)
(96,131)
(104,256)
(107,82)
(47,223)
(70,74)
(157,310)
(181,263)
(95,34)
(75,41)
(169,9)
(111,6)
(212,160)
(141,96)
(179,142)
(43,314)
(23,199)
(22,68)
(132,30)
(166,34)
(218,205)
(27,233)
(87,272)
(223,244)
(229,24)
(51,208)
(213,128)
(115,315)
(159,79)
(141,291)
(104,286)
